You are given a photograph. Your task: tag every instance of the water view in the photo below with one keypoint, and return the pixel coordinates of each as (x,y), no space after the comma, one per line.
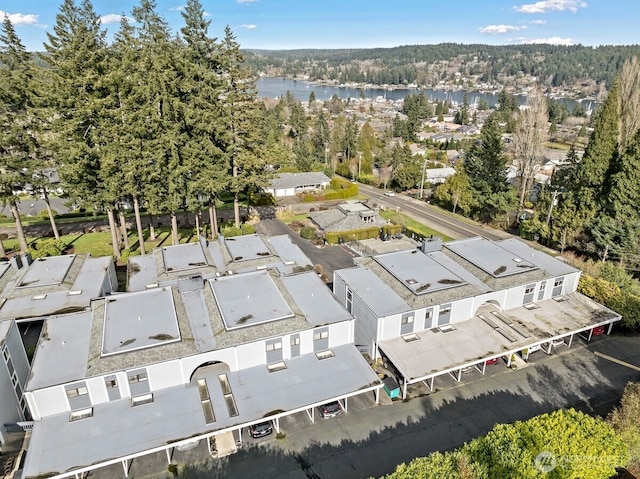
(277,87)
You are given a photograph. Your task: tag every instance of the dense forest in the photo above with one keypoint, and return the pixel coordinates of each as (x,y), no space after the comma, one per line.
(577,66)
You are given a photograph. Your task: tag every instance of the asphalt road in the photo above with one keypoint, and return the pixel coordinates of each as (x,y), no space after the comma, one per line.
(432,216)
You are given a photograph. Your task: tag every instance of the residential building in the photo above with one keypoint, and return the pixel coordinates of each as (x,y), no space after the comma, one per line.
(438,309)
(210,338)
(290,184)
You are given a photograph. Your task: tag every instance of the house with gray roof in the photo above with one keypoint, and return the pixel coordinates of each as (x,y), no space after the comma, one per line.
(348,216)
(438,309)
(291,184)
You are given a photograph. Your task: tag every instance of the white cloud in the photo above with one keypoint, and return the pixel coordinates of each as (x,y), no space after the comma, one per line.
(206,14)
(499,29)
(246,1)
(113,18)
(248,26)
(551,41)
(538,22)
(21,18)
(545,6)
(179,8)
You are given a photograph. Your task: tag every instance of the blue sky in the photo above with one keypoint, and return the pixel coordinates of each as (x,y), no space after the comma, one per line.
(288,24)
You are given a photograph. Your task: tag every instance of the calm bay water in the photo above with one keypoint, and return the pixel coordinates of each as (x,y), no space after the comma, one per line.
(277,87)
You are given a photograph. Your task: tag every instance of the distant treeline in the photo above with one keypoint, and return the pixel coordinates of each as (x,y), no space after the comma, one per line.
(427,65)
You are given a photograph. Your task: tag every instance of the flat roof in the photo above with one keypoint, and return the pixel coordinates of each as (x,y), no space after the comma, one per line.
(246,247)
(437,351)
(288,251)
(490,257)
(62,351)
(182,257)
(46,271)
(117,429)
(375,293)
(141,272)
(88,275)
(316,302)
(248,299)
(418,272)
(139,320)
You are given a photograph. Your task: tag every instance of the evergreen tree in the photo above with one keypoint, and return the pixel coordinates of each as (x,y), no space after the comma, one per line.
(486,163)
(73,94)
(18,145)
(241,119)
(589,178)
(320,138)
(206,145)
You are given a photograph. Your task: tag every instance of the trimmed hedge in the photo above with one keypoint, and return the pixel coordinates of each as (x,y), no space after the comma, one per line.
(335,237)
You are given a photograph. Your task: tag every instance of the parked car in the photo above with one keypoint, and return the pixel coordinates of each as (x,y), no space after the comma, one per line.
(488,362)
(390,193)
(331,409)
(261,429)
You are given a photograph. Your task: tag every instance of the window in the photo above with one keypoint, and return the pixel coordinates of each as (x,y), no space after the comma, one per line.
(80,414)
(530,289)
(318,335)
(144,399)
(295,341)
(445,310)
(111,383)
(407,319)
(137,378)
(325,354)
(558,282)
(543,285)
(428,314)
(276,367)
(207,408)
(274,346)
(77,391)
(349,300)
(5,353)
(228,395)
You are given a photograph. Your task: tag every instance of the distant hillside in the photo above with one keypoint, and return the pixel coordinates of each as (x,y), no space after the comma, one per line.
(587,69)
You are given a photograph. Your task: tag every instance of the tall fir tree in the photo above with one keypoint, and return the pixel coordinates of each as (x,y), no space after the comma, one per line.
(205,135)
(242,115)
(18,144)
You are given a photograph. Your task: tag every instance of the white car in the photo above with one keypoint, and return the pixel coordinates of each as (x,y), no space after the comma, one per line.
(390,193)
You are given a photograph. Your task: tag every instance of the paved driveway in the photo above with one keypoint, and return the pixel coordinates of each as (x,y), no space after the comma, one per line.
(330,257)
(371,442)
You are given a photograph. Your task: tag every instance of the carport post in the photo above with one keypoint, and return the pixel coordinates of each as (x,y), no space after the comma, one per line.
(433,380)
(484,367)
(125,466)
(570,341)
(377,393)
(168,454)
(404,389)
(345,405)
(610,328)
(277,421)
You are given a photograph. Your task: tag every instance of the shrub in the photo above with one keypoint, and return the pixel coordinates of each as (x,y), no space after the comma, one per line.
(47,247)
(308,232)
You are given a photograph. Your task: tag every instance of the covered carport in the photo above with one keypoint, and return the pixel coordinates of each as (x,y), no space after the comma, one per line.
(449,350)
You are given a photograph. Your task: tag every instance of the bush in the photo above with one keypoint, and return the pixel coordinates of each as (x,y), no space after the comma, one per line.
(624,420)
(334,237)
(47,247)
(308,232)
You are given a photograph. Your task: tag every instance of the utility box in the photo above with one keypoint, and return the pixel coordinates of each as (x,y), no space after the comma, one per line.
(391,387)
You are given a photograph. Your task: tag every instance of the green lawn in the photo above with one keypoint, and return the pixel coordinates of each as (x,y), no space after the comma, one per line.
(99,244)
(399,218)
